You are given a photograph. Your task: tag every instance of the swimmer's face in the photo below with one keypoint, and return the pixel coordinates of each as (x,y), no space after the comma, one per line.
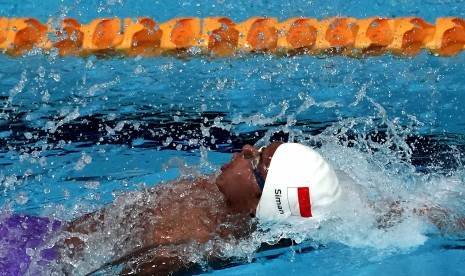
(237,180)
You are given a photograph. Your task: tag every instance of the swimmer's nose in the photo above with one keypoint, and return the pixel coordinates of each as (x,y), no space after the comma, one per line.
(227,165)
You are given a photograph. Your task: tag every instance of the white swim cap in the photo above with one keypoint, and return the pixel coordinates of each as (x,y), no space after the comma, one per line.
(300,184)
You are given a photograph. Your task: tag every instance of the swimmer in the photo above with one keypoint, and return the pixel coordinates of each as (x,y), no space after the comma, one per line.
(182,225)
(282,182)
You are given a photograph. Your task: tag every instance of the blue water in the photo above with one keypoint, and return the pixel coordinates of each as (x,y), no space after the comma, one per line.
(75,133)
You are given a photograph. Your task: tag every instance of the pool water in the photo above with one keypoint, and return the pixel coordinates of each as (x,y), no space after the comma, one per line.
(75,133)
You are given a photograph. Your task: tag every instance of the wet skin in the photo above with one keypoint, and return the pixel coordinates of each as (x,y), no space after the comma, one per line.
(215,208)
(197,211)
(237,181)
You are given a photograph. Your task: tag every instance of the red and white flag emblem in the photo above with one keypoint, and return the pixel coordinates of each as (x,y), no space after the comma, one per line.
(299,201)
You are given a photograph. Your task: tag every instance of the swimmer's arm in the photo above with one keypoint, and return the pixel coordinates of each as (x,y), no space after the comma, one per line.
(447,221)
(86,224)
(153,260)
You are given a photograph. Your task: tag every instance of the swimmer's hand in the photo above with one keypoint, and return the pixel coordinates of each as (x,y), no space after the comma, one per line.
(447,221)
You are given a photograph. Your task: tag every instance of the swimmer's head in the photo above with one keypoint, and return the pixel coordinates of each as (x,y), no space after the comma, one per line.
(300,184)
(239,179)
(286,181)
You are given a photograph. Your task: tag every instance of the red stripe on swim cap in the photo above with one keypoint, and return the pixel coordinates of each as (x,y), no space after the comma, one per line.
(305,205)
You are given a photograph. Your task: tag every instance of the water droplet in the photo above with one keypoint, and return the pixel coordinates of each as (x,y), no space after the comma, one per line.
(22,198)
(89,64)
(41,71)
(30,252)
(92,184)
(139,69)
(66,194)
(56,77)
(85,160)
(167,141)
(194,50)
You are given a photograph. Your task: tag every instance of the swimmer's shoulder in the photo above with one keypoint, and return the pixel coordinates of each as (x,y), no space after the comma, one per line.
(185,184)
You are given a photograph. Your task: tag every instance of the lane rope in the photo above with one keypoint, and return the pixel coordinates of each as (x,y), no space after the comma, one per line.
(221,36)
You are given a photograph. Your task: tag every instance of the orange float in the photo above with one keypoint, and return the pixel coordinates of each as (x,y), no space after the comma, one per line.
(22,34)
(180,34)
(69,38)
(141,37)
(258,34)
(449,38)
(221,36)
(338,35)
(298,35)
(102,36)
(411,34)
(374,35)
